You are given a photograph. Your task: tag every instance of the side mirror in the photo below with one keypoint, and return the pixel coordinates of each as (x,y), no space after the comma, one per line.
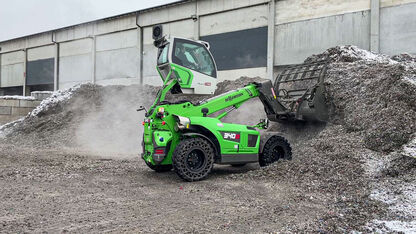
(141,108)
(157,32)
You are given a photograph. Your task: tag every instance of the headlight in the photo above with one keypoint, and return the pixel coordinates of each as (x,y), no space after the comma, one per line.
(182,122)
(160,112)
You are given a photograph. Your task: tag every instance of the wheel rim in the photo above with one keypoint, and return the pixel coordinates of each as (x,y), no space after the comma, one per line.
(277,153)
(195,160)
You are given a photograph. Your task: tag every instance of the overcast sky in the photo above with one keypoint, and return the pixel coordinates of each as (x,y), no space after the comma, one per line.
(24,17)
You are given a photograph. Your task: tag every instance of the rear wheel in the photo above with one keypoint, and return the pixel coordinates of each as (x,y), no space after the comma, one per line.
(276,148)
(159,168)
(193,159)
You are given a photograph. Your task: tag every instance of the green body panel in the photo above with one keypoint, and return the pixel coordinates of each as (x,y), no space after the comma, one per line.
(215,126)
(186,76)
(161,138)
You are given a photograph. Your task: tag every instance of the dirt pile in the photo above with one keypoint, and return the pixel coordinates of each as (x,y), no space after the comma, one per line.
(86,117)
(51,122)
(374,115)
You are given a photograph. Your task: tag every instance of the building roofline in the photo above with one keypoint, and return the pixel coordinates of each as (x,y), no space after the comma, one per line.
(101,19)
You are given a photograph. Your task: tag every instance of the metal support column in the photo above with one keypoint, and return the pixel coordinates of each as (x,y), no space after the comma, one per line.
(56,68)
(270,39)
(93,57)
(0,69)
(375,26)
(140,49)
(25,89)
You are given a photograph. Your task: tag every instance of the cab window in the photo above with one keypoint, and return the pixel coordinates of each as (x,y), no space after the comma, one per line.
(193,56)
(163,55)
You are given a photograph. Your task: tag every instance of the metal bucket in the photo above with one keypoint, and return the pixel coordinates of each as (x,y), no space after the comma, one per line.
(301,90)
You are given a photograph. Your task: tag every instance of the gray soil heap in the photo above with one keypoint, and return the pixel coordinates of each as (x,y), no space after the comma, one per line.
(363,152)
(355,173)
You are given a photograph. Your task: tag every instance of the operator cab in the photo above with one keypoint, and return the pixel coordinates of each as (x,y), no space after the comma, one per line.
(189,62)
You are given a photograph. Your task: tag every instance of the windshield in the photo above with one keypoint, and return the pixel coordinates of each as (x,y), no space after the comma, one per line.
(194,56)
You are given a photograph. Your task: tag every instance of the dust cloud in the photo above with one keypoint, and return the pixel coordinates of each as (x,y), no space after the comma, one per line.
(115,127)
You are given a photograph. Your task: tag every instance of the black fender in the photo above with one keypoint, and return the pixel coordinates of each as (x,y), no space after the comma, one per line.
(265,136)
(207,135)
(199,135)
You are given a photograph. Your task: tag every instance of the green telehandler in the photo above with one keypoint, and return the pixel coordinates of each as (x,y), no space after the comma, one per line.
(190,137)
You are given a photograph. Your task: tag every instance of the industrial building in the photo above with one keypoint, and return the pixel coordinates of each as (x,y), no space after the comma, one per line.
(247,37)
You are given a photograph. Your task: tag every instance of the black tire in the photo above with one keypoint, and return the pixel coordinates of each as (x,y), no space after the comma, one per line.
(239,165)
(159,168)
(276,148)
(193,159)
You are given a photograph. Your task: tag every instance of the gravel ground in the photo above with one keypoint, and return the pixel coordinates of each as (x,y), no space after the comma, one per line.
(74,166)
(58,191)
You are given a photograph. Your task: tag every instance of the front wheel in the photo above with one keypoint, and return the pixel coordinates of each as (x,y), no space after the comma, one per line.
(276,148)
(193,159)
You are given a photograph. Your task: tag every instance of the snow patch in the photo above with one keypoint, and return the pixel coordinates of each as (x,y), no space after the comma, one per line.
(411,80)
(15,97)
(351,53)
(410,148)
(55,98)
(42,92)
(4,129)
(396,226)
(360,54)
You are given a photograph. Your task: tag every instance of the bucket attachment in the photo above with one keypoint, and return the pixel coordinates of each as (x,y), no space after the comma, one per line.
(301,90)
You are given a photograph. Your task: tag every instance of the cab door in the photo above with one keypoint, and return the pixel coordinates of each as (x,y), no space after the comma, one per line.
(194,66)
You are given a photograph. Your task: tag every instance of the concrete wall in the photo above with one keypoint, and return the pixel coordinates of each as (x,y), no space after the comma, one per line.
(75,62)
(12,69)
(295,41)
(96,28)
(300,10)
(13,109)
(398,29)
(235,20)
(117,58)
(167,14)
(26,42)
(213,6)
(321,24)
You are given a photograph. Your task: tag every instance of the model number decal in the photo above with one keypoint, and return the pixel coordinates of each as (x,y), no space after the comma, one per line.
(231,136)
